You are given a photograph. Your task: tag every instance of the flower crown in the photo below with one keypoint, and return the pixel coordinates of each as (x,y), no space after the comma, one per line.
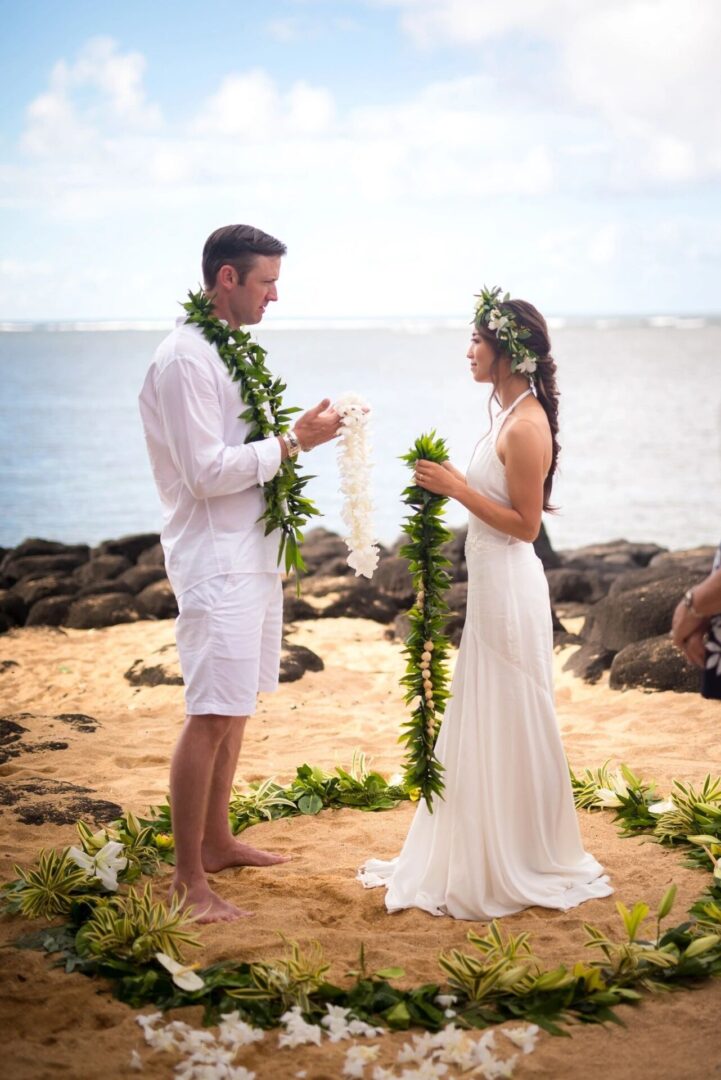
(509,334)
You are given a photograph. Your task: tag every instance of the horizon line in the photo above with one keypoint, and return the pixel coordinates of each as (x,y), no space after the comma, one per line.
(600,320)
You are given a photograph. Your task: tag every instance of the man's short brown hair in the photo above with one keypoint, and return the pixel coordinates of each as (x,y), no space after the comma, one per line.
(236,246)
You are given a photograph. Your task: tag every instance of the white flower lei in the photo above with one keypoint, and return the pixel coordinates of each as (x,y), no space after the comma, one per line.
(354,465)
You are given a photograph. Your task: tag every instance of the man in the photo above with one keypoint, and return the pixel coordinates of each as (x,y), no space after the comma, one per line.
(222,567)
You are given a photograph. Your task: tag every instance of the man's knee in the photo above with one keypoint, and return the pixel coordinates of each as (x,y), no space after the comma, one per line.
(214,726)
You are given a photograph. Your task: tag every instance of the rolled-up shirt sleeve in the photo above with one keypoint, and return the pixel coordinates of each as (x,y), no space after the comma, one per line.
(192,418)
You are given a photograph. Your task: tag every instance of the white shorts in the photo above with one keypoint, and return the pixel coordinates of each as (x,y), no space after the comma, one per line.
(229,632)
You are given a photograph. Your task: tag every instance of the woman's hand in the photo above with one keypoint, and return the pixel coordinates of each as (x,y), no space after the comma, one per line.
(441,479)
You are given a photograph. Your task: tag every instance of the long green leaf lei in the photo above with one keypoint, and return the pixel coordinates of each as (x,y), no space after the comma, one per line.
(286,507)
(426,677)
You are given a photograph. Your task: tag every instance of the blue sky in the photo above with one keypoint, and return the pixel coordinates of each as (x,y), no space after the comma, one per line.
(407,151)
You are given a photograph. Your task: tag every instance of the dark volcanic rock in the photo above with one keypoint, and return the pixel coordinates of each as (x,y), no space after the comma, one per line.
(31,590)
(616,556)
(138,578)
(589,662)
(35,566)
(152,556)
(401,627)
(574,586)
(634,613)
(79,722)
(393,579)
(101,568)
(101,588)
(295,660)
(99,811)
(295,607)
(13,607)
(653,664)
(167,673)
(10,730)
(359,600)
(158,601)
(92,612)
(696,561)
(326,553)
(36,546)
(132,547)
(454,551)
(542,546)
(49,612)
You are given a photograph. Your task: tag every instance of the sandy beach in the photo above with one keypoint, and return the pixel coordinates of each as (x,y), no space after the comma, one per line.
(57,1024)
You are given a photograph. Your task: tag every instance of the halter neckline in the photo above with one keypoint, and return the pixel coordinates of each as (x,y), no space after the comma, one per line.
(507,412)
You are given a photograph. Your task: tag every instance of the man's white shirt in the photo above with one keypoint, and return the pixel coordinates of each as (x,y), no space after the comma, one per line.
(207,476)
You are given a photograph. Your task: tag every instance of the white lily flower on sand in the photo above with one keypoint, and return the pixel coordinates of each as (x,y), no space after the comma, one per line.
(607,797)
(106,864)
(232,1031)
(523,1037)
(663,807)
(183,976)
(297,1030)
(357,1058)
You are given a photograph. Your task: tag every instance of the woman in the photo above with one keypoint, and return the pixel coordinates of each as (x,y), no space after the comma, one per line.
(505,835)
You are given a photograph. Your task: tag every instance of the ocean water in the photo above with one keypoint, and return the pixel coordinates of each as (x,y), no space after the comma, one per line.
(640,424)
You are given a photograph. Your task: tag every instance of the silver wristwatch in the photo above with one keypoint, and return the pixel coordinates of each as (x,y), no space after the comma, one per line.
(292,443)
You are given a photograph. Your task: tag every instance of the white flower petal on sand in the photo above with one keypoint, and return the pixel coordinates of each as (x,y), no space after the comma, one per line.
(297,1030)
(136,1062)
(106,864)
(524,1038)
(357,1058)
(232,1031)
(341,1024)
(354,466)
(417,1051)
(663,807)
(183,976)
(499,1070)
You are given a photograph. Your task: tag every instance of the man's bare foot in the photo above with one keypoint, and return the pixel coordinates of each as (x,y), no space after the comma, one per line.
(237,854)
(205,905)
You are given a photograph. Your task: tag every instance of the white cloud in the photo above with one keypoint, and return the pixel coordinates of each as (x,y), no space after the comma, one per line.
(647,68)
(251,105)
(101,91)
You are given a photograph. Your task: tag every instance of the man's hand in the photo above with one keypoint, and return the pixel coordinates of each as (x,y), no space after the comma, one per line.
(319,425)
(684,624)
(694,648)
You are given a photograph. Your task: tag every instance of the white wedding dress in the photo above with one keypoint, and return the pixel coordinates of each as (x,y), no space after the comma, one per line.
(504,836)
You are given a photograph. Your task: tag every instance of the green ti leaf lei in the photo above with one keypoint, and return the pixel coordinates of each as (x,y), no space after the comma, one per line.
(286,507)
(426,677)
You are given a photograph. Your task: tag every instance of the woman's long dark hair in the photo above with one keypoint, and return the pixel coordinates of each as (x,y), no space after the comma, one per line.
(545,381)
